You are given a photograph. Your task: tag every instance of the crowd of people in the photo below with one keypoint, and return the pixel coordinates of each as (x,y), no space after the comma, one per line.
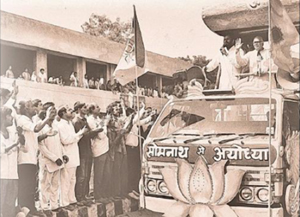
(64,143)
(49,153)
(40,77)
(116,87)
(94,83)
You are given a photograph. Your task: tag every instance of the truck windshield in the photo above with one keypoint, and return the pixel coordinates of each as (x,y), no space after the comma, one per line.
(238,116)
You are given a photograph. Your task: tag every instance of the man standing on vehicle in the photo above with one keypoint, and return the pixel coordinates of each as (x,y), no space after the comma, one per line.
(227,61)
(257,60)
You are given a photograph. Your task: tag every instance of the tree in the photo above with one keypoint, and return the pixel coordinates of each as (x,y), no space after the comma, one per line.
(199,60)
(202,61)
(100,25)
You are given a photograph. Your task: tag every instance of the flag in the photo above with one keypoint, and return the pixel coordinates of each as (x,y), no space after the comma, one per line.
(133,58)
(139,44)
(283,36)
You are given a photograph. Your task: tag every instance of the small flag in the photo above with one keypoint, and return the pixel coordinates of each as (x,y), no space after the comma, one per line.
(283,36)
(133,55)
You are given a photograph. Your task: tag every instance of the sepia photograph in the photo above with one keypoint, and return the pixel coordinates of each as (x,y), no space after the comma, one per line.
(136,108)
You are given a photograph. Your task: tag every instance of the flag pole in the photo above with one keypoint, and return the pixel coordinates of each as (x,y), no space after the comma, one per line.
(138,44)
(139,136)
(270,108)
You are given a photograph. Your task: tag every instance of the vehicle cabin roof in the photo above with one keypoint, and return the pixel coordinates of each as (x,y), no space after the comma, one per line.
(246,18)
(276,94)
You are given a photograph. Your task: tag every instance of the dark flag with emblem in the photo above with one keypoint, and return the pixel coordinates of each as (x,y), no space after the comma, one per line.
(133,60)
(283,36)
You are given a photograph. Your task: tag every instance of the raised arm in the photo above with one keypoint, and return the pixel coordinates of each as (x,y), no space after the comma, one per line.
(241,60)
(213,64)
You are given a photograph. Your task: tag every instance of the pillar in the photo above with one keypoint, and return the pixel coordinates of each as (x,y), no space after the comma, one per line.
(158,82)
(110,71)
(41,61)
(80,68)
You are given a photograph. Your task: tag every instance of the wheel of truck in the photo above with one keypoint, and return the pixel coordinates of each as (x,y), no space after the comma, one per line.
(292,200)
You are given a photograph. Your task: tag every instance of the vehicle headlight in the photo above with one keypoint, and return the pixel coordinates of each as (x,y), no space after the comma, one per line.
(163,188)
(151,185)
(263,194)
(246,194)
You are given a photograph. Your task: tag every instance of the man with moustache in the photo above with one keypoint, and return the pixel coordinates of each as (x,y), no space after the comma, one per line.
(227,61)
(69,139)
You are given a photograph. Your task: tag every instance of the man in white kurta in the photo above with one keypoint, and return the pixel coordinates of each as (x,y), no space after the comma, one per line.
(257,60)
(69,139)
(52,163)
(229,67)
(42,76)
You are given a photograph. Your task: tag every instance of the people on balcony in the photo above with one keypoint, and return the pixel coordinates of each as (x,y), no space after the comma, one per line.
(42,76)
(92,83)
(97,80)
(34,76)
(109,86)
(101,84)
(74,79)
(85,81)
(26,76)
(9,73)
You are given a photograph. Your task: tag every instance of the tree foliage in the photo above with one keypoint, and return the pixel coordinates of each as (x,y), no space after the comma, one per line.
(199,60)
(100,25)
(202,61)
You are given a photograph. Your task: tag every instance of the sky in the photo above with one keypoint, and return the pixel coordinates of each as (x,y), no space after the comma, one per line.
(169,27)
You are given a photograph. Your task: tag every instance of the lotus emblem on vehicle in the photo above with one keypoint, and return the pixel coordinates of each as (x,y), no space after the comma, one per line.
(201,188)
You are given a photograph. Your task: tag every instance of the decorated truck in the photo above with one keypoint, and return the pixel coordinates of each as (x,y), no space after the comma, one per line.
(228,153)
(212,154)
